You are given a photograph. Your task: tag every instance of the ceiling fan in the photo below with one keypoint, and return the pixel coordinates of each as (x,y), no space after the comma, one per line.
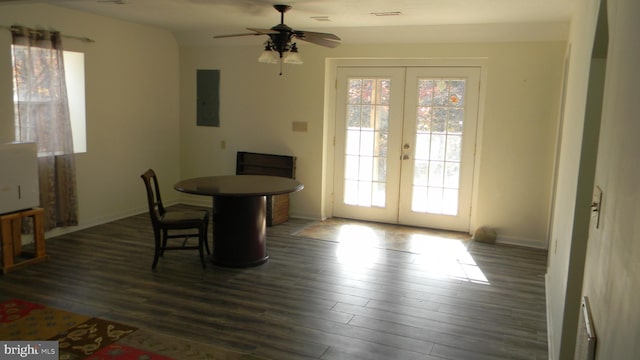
(281,37)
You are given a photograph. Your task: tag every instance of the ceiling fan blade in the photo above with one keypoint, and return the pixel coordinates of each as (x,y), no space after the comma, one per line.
(281,34)
(310,34)
(264,31)
(255,32)
(320,41)
(234,35)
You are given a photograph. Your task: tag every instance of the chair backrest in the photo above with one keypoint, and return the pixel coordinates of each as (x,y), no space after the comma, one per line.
(153,195)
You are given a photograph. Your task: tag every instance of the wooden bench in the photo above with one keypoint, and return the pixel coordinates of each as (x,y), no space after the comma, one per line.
(11,239)
(248,163)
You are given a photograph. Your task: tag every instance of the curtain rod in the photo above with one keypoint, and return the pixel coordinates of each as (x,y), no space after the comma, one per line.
(81,38)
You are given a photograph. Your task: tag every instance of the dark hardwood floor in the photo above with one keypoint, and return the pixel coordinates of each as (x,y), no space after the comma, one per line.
(314,299)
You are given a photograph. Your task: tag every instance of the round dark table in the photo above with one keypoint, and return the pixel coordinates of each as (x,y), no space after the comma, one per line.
(239,214)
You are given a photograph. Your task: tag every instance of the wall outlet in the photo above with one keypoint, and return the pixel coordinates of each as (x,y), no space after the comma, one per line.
(596,206)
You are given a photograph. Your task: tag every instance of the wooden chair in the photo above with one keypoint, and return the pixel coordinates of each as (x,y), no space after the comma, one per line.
(164,221)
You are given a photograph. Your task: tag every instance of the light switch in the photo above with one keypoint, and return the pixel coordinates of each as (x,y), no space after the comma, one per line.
(596,206)
(299,126)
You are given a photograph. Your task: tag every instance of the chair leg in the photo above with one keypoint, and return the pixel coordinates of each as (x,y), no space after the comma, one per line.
(157,251)
(206,245)
(201,242)
(206,237)
(165,236)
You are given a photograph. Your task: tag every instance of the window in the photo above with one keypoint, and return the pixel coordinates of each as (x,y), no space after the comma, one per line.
(74,79)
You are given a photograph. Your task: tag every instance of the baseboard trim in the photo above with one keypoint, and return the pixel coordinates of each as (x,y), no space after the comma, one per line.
(94,222)
(102,220)
(306,216)
(511,240)
(204,201)
(550,346)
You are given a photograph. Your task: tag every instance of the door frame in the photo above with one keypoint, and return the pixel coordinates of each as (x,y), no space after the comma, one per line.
(329,118)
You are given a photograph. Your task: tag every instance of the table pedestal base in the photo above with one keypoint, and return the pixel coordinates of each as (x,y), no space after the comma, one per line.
(239,231)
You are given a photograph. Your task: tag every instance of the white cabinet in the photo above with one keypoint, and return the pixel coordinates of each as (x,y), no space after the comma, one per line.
(19,187)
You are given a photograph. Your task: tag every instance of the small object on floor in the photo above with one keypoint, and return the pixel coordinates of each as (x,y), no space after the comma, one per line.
(485,234)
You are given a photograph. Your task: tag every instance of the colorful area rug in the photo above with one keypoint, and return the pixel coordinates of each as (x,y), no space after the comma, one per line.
(85,337)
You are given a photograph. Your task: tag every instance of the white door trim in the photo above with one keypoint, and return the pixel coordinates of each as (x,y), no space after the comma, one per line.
(329,131)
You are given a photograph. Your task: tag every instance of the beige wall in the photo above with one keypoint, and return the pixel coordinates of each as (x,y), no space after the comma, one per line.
(257,108)
(600,263)
(566,253)
(132,99)
(612,271)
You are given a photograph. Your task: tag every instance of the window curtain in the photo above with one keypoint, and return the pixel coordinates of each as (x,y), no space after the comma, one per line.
(42,116)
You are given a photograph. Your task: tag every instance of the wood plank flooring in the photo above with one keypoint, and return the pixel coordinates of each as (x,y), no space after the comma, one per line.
(314,299)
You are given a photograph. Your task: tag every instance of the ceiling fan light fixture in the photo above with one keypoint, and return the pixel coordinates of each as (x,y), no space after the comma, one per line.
(293,56)
(279,49)
(268,56)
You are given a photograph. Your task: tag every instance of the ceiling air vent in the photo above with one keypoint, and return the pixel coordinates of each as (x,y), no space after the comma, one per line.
(320,18)
(387,13)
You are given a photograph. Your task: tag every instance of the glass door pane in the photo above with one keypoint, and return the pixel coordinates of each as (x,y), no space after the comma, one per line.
(367,133)
(439,122)
(440,115)
(367,166)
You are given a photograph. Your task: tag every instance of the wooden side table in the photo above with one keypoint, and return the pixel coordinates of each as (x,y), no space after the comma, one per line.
(248,163)
(10,239)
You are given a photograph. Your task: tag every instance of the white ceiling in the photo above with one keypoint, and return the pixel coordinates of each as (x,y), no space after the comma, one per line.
(196,21)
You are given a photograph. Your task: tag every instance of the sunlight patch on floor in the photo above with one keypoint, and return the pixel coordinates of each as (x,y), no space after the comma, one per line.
(360,248)
(356,250)
(445,258)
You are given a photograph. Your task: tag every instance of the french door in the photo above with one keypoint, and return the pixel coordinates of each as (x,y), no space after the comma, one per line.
(405,143)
